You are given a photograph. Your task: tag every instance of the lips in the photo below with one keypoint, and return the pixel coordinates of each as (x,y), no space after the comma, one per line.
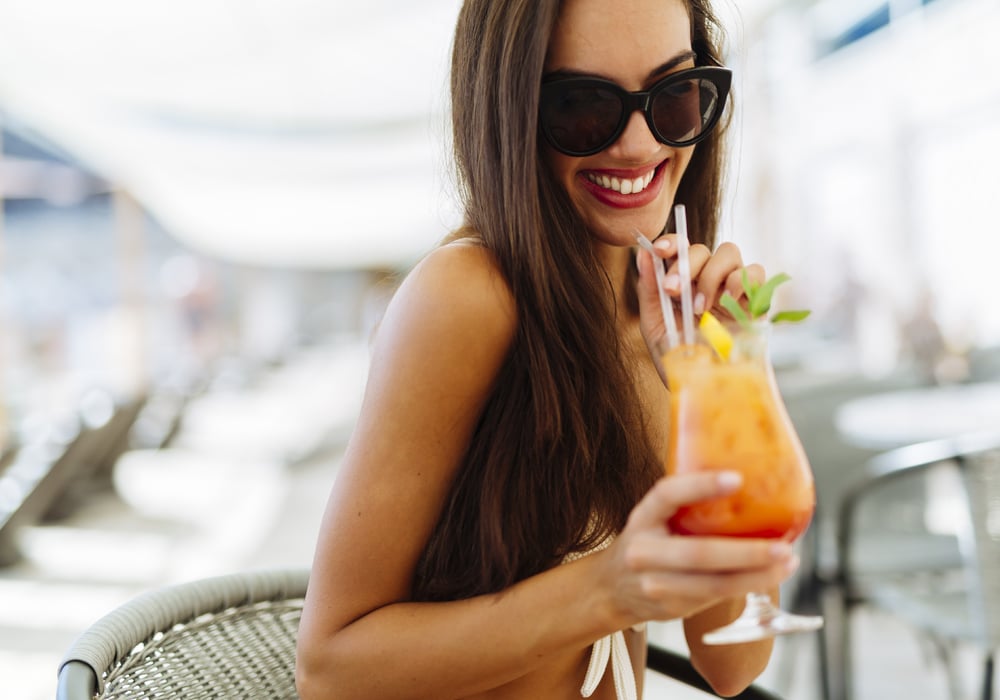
(624,189)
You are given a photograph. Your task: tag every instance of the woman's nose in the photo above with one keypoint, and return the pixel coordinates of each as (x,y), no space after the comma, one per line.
(637,141)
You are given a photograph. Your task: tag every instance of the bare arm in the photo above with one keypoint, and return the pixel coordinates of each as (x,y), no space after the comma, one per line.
(728,668)
(439,350)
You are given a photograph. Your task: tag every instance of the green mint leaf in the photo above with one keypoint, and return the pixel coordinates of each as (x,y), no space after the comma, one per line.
(760,303)
(730,304)
(749,287)
(789,316)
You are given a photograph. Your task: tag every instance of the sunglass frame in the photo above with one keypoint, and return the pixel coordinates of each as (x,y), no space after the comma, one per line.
(641,100)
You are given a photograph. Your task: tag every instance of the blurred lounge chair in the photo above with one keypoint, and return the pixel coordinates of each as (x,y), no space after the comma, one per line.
(229,636)
(919,539)
(106,437)
(42,476)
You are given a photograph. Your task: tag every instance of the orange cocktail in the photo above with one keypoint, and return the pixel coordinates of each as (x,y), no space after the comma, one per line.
(728,415)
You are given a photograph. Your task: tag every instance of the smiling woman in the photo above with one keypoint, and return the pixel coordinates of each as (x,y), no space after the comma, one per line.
(507,463)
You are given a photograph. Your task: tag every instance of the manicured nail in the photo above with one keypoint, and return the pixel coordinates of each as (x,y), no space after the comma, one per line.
(781,550)
(672,283)
(663,244)
(699,303)
(729,481)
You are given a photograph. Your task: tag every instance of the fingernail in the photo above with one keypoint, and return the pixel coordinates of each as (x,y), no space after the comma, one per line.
(672,283)
(699,303)
(729,480)
(663,244)
(792,564)
(781,550)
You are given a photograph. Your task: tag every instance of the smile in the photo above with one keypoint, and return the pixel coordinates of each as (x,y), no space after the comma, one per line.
(622,185)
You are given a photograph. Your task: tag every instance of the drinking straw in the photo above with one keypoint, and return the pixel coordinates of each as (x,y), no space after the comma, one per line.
(684,260)
(666,308)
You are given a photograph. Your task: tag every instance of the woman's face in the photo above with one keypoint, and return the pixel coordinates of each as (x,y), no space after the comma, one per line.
(633,43)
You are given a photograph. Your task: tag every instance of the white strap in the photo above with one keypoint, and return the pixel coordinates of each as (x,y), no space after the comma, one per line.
(599,656)
(613,648)
(621,666)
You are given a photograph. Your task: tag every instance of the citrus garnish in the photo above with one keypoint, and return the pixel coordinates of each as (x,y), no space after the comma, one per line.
(716,334)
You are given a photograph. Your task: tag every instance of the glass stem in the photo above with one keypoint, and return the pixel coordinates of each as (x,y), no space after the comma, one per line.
(759,607)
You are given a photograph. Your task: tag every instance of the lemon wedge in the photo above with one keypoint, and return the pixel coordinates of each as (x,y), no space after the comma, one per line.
(716,334)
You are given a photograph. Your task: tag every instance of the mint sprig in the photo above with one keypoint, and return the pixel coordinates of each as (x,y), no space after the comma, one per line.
(759,302)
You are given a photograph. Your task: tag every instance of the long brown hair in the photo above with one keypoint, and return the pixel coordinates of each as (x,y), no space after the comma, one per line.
(560,455)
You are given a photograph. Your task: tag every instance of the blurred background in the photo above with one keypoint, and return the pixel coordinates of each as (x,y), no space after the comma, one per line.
(206,205)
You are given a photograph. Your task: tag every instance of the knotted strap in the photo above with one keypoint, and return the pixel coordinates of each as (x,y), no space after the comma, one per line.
(611,648)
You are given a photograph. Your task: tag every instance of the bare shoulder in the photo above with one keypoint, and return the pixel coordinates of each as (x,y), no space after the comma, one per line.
(435,360)
(455,297)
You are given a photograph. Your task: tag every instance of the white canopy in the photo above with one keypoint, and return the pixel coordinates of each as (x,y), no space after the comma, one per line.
(303,133)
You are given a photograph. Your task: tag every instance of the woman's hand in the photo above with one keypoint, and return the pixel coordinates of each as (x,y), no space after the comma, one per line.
(656,575)
(712,274)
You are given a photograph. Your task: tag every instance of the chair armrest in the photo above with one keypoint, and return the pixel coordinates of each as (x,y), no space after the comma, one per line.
(77,681)
(112,638)
(899,463)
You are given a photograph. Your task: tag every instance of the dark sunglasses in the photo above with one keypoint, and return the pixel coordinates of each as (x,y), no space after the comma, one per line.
(583,116)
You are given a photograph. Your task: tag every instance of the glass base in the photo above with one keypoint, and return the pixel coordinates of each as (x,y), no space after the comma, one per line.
(761,620)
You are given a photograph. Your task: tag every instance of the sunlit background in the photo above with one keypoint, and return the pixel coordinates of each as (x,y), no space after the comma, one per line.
(206,205)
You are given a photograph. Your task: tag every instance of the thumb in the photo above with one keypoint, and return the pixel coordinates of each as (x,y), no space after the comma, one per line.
(652,322)
(650,311)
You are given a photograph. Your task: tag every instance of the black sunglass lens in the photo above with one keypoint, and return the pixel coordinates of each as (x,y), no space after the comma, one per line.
(682,110)
(582,118)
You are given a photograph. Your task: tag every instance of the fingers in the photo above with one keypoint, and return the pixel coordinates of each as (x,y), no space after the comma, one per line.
(734,282)
(712,586)
(734,285)
(648,549)
(720,272)
(650,313)
(670,493)
(648,293)
(712,274)
(701,555)
(659,575)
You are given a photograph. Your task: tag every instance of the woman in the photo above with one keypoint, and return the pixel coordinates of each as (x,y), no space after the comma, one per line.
(500,511)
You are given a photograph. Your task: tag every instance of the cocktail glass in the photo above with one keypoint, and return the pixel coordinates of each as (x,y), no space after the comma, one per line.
(727,415)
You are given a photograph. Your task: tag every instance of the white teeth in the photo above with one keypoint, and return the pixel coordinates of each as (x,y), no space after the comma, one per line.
(623,186)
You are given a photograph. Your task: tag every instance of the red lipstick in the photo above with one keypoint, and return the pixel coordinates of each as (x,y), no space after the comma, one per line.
(624,201)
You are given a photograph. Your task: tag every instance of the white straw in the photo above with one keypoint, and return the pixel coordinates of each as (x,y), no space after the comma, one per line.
(684,260)
(666,308)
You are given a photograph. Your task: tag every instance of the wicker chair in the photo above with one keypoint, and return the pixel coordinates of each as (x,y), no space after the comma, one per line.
(226,637)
